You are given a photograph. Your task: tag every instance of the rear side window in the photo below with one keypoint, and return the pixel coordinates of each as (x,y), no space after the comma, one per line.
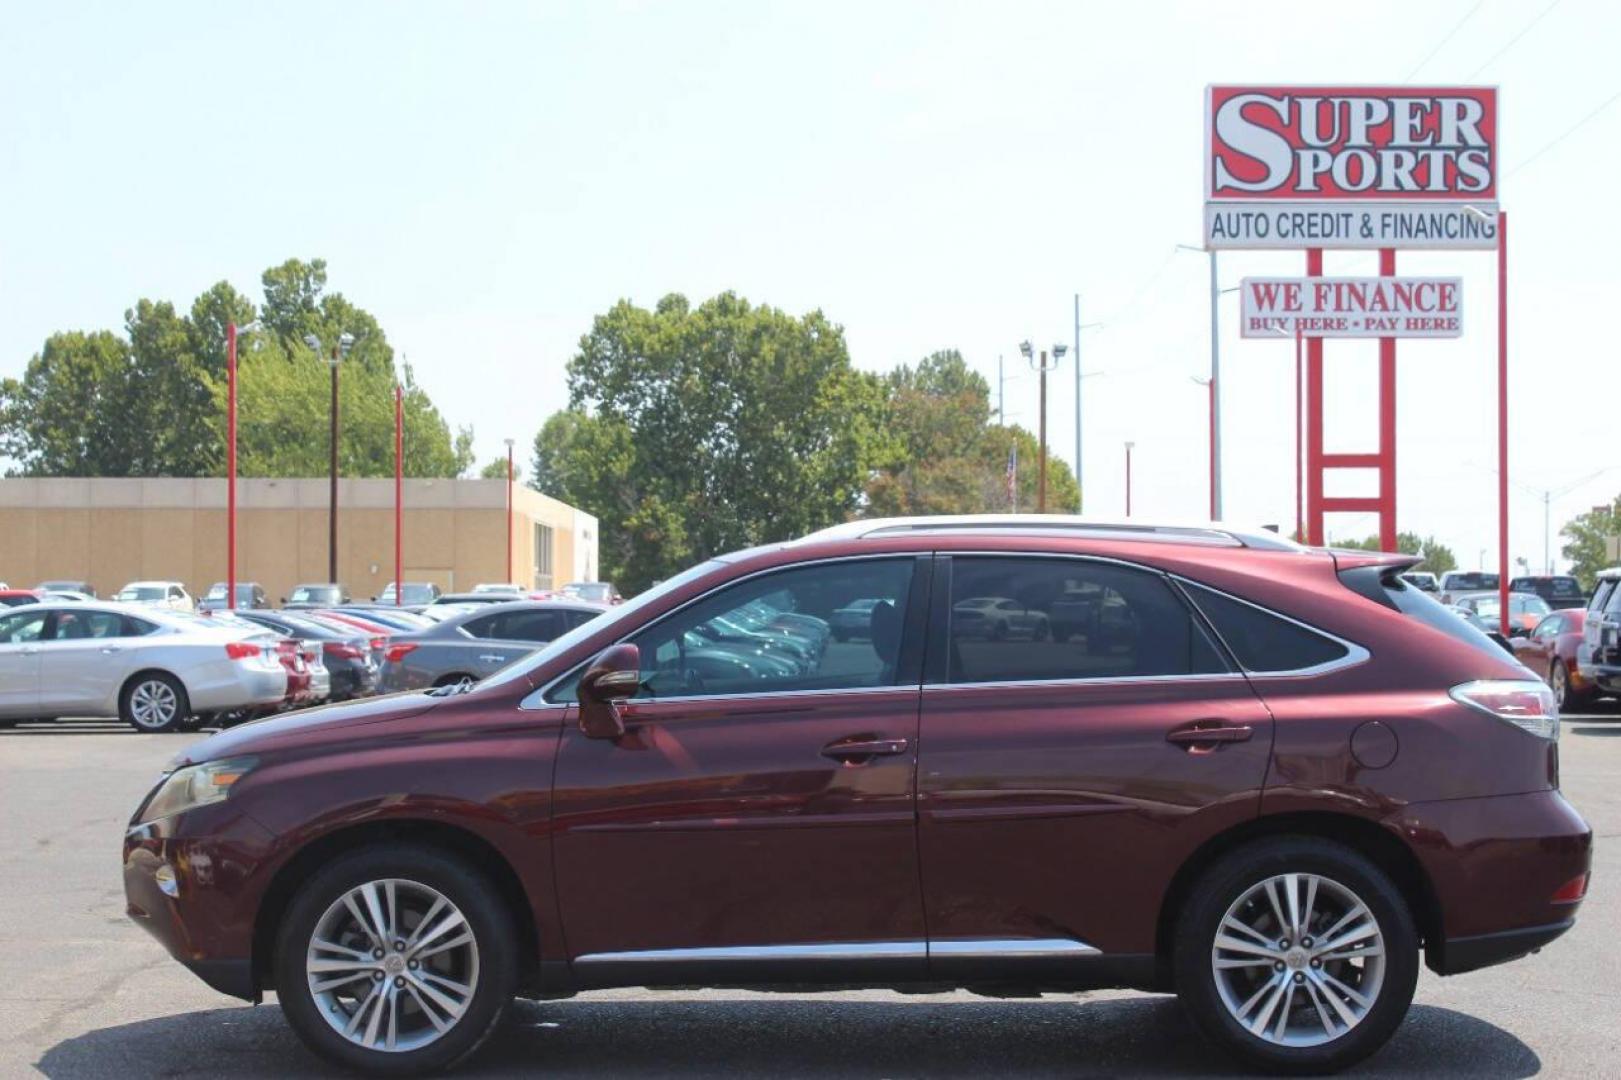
(1263,641)
(1410,601)
(1030,619)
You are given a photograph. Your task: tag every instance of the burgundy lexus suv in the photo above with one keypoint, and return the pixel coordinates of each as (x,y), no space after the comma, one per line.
(1056,755)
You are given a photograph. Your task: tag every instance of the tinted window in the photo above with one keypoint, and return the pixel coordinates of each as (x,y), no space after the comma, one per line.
(1263,641)
(134,627)
(1412,602)
(521,625)
(1033,619)
(1470,581)
(769,634)
(22,627)
(78,625)
(1601,593)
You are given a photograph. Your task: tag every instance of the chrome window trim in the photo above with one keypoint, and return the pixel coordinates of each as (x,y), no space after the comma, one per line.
(541,693)
(958,948)
(1078,682)
(1354,654)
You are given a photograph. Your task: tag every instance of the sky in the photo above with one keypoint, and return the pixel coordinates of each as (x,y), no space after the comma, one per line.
(486,177)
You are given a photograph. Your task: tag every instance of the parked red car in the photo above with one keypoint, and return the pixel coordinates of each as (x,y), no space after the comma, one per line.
(1550,651)
(1277,778)
(19,597)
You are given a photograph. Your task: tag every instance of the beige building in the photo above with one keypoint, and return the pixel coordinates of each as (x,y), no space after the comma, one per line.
(113,531)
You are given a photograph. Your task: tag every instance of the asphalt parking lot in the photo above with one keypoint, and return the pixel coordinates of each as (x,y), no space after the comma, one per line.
(85,993)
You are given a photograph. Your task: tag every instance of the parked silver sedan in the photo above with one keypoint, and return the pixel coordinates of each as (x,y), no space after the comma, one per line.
(155,669)
(478,642)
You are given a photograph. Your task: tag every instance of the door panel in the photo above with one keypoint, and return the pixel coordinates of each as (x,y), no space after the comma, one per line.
(20,634)
(759,809)
(84,662)
(723,823)
(1063,811)
(1062,781)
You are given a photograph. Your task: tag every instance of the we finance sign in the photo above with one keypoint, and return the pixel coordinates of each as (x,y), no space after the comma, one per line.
(1350,167)
(1352,307)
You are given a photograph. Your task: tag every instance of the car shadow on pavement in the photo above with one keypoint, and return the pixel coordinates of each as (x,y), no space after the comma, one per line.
(789,1037)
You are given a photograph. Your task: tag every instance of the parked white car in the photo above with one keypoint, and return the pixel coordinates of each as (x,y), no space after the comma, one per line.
(154,669)
(159,594)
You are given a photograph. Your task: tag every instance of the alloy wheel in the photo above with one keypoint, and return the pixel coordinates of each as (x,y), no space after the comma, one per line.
(1561,685)
(1299,960)
(153,704)
(392,965)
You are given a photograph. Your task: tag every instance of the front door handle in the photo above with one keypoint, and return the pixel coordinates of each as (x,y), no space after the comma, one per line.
(493,658)
(1206,735)
(110,649)
(854,751)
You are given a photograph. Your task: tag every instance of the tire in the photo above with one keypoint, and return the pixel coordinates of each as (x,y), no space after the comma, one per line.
(1569,700)
(418,874)
(154,703)
(1251,986)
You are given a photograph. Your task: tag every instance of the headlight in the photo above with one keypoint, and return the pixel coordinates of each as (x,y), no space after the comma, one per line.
(1529,705)
(194,786)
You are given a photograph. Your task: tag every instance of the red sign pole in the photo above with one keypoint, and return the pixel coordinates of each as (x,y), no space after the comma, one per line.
(1387,422)
(399,489)
(1502,420)
(230,467)
(1314,421)
(1300,512)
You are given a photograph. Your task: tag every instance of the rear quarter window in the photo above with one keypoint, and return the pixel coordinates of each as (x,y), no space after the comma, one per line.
(1263,641)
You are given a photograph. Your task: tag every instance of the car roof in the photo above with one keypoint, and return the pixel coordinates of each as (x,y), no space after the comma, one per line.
(1609,573)
(153,584)
(1217,534)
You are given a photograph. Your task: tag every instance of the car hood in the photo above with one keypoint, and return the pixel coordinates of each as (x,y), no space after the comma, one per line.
(307,726)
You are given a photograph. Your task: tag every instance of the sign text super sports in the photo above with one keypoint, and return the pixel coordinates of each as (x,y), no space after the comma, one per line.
(1346,143)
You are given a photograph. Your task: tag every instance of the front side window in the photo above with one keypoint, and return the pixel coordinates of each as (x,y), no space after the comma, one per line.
(1033,620)
(772,634)
(22,628)
(1262,641)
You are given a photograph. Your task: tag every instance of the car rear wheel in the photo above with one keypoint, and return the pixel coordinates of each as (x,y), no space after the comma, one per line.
(154,703)
(1296,955)
(1569,699)
(396,960)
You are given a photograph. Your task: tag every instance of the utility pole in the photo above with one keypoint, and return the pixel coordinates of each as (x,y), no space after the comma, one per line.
(1041,475)
(1080,498)
(1215,394)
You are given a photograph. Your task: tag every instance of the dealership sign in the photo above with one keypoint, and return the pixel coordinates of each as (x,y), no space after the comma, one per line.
(1348,167)
(1387,307)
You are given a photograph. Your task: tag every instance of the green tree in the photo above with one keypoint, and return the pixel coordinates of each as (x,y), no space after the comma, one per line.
(496,469)
(153,403)
(1437,557)
(1585,538)
(694,431)
(950,459)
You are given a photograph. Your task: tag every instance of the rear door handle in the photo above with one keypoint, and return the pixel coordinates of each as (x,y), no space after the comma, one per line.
(1208,733)
(493,658)
(855,750)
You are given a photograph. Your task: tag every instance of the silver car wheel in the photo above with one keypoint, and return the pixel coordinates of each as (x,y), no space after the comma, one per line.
(153,704)
(392,965)
(1299,960)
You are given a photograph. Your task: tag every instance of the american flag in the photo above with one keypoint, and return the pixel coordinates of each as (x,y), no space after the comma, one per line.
(1013,477)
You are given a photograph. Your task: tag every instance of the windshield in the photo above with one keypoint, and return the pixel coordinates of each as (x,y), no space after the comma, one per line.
(313,594)
(589,590)
(612,617)
(143,592)
(1470,582)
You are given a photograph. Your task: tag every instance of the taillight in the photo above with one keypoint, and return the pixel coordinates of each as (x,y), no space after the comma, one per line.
(396,653)
(240,650)
(1528,704)
(1571,892)
(378,644)
(342,650)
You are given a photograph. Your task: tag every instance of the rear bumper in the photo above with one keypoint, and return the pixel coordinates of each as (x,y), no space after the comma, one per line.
(240,688)
(1605,677)
(1494,865)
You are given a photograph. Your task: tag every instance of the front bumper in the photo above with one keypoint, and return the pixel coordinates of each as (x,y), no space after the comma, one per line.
(1494,865)
(207,924)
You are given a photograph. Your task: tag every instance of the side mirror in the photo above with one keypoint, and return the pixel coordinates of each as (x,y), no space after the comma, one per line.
(612,678)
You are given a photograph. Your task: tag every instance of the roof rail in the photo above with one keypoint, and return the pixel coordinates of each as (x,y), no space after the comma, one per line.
(1215,534)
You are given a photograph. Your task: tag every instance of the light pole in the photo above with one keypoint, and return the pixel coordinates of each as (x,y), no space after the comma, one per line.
(1080,486)
(1215,378)
(1042,367)
(399,494)
(1210,386)
(1129,445)
(231,332)
(509,509)
(346,341)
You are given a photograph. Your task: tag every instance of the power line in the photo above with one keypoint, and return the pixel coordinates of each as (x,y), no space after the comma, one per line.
(1611,100)
(1442,44)
(1515,39)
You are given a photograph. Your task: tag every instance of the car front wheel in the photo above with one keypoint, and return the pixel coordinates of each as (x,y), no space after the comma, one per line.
(1296,955)
(396,960)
